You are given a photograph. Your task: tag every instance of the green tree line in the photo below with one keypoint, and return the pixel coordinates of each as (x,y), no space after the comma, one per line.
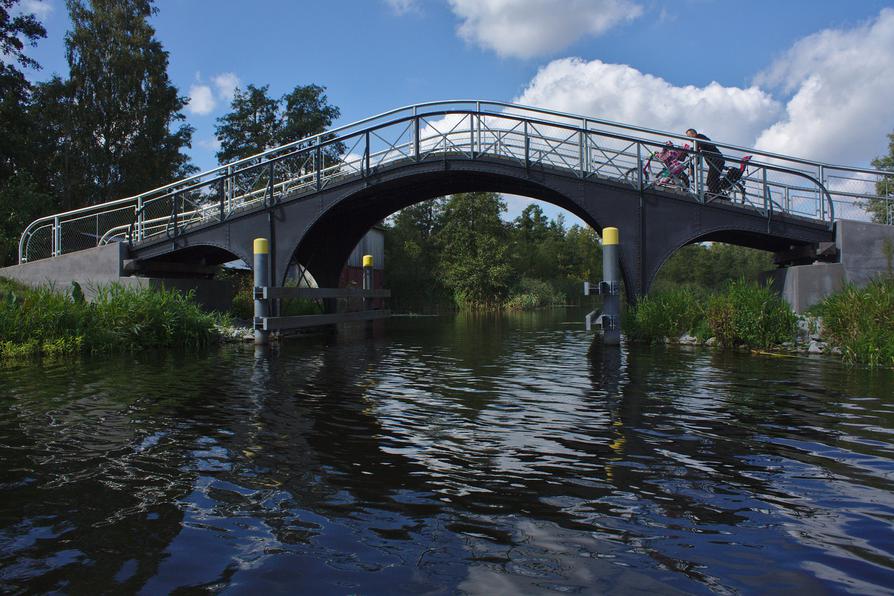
(114,127)
(459,252)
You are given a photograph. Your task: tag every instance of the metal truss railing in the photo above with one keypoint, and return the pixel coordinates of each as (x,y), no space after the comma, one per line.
(535,138)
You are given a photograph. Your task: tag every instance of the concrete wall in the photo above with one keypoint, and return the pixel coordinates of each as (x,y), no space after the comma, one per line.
(802,286)
(862,248)
(101,266)
(864,253)
(90,267)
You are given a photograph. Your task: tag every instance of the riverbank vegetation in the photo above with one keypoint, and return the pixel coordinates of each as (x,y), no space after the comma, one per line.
(458,253)
(860,322)
(44,321)
(739,314)
(857,323)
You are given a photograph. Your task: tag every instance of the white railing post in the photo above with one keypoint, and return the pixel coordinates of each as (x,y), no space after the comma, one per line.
(231,188)
(472,135)
(415,134)
(57,237)
(478,111)
(140,218)
(699,176)
(639,166)
(584,150)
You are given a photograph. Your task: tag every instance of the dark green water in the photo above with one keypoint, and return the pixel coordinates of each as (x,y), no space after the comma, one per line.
(474,455)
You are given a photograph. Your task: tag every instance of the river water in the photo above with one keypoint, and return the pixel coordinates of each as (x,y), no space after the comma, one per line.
(477,455)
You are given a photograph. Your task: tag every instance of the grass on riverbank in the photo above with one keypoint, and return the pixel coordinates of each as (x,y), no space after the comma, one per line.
(42,321)
(860,321)
(741,314)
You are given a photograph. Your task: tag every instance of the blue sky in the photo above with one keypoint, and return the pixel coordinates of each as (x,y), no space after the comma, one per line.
(810,78)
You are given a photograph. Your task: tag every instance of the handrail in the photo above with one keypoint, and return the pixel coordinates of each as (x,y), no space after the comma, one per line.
(481,108)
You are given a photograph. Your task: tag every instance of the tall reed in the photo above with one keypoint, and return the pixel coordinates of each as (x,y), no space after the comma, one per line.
(45,321)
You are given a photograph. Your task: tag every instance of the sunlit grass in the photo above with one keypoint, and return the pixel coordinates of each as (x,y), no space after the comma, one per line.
(45,321)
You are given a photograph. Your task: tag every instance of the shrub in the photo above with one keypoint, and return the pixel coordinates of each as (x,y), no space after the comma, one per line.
(670,313)
(860,321)
(43,321)
(533,293)
(748,314)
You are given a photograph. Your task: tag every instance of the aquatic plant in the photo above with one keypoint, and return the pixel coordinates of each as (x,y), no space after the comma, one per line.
(670,313)
(751,315)
(860,321)
(533,293)
(741,314)
(46,321)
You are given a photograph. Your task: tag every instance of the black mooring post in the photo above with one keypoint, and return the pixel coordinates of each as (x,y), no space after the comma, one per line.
(367,280)
(368,285)
(262,277)
(611,275)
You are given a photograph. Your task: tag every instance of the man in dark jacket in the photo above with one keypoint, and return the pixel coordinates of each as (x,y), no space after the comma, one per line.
(713,158)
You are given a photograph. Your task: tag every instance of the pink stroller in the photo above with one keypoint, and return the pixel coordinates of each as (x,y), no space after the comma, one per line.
(675,161)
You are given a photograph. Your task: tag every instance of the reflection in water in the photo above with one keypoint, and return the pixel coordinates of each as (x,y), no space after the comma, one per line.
(476,454)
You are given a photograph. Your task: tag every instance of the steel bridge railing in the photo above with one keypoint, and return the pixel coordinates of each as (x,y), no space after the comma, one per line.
(533,137)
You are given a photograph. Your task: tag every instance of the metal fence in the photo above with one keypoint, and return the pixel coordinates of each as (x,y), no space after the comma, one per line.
(535,138)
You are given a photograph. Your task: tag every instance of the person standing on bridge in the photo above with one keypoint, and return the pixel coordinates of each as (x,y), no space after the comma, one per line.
(713,157)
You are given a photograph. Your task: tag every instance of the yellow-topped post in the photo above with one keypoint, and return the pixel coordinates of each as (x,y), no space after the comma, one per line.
(611,287)
(610,236)
(262,280)
(367,279)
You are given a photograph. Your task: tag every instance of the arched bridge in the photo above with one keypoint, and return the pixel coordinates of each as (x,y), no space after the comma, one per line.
(315,198)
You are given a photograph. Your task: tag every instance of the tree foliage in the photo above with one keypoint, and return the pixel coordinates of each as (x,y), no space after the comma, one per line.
(474,248)
(256,122)
(457,252)
(20,198)
(15,34)
(882,211)
(125,126)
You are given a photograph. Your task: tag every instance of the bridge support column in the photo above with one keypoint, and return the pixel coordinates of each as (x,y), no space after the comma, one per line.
(262,277)
(611,275)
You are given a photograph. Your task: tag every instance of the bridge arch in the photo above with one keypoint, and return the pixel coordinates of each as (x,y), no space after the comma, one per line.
(324,244)
(748,236)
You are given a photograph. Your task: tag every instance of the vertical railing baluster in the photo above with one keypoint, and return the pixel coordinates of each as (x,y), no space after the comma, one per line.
(584,150)
(527,147)
(639,166)
(472,135)
(231,188)
(176,212)
(365,165)
(699,177)
(271,172)
(223,197)
(318,164)
(478,112)
(416,137)
(141,217)
(57,237)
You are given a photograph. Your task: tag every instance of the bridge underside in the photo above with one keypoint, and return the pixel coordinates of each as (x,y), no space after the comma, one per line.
(320,230)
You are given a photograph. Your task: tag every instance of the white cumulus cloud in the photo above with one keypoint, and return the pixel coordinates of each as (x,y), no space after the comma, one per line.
(528,28)
(622,93)
(842,93)
(226,84)
(201,100)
